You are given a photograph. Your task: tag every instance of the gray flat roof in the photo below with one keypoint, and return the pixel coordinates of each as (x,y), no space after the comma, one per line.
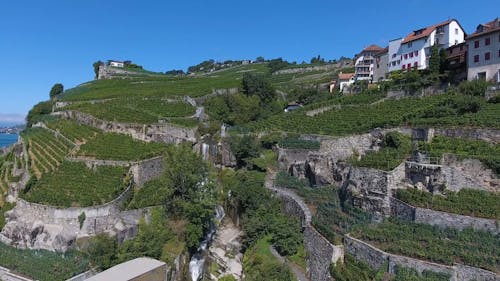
(128,270)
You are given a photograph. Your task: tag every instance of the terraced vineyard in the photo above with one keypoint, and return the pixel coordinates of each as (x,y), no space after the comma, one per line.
(469,202)
(136,110)
(75,185)
(161,86)
(75,132)
(46,151)
(112,146)
(446,246)
(441,110)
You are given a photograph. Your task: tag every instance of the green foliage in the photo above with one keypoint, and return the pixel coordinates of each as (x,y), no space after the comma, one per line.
(287,181)
(296,143)
(81,219)
(244,148)
(440,245)
(77,133)
(410,274)
(3,209)
(73,184)
(352,269)
(56,90)
(156,192)
(38,112)
(102,251)
(259,264)
(469,202)
(135,109)
(488,153)
(277,64)
(396,148)
(41,264)
(113,146)
(258,85)
(434,60)
(235,109)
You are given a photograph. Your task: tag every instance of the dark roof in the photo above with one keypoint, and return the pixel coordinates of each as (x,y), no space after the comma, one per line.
(424,32)
(486,28)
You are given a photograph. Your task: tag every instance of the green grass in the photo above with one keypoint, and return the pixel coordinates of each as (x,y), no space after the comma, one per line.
(135,110)
(299,258)
(75,185)
(260,264)
(441,110)
(41,264)
(396,148)
(112,146)
(469,202)
(488,153)
(445,246)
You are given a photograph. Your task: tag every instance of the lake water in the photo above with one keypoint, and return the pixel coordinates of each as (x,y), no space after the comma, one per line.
(7,139)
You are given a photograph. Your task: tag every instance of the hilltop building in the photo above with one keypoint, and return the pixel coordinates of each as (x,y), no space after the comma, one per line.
(115,63)
(484,52)
(364,63)
(413,51)
(381,68)
(345,80)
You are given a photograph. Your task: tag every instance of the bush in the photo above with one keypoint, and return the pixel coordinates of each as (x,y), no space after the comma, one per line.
(473,88)
(37,113)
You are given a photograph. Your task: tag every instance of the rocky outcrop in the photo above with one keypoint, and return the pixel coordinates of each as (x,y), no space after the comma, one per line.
(225,251)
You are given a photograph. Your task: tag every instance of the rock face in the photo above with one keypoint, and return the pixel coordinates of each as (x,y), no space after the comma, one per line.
(225,251)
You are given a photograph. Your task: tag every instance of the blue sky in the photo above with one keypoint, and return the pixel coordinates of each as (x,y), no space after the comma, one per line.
(47,42)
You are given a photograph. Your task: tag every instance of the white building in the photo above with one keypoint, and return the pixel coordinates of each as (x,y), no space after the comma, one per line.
(413,51)
(115,63)
(483,57)
(345,80)
(365,62)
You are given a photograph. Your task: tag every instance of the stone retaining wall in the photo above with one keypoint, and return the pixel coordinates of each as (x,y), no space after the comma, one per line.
(489,135)
(404,211)
(166,133)
(7,275)
(377,258)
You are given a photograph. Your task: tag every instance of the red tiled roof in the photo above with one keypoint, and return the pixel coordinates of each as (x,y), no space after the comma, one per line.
(372,48)
(425,32)
(345,76)
(489,27)
(383,51)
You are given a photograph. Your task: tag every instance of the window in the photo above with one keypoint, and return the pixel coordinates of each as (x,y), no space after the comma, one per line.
(409,65)
(404,66)
(481,76)
(393,55)
(409,45)
(411,55)
(456,31)
(456,42)
(406,56)
(476,58)
(499,53)
(476,44)
(487,56)
(415,64)
(487,41)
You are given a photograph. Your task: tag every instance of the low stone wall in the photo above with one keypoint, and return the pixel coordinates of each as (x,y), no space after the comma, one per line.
(377,258)
(308,69)
(404,211)
(164,132)
(147,170)
(489,135)
(95,162)
(7,275)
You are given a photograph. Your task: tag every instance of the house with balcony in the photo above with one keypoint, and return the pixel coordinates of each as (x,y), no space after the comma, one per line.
(457,62)
(483,59)
(365,61)
(413,51)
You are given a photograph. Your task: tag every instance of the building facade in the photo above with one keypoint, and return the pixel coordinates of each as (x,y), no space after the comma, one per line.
(457,62)
(365,62)
(345,80)
(483,57)
(414,50)
(381,68)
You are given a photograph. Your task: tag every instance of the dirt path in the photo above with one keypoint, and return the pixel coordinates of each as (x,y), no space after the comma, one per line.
(297,271)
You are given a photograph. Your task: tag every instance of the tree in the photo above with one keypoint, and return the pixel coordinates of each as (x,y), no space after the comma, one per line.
(258,85)
(96,66)
(434,60)
(36,113)
(102,251)
(56,90)
(260,59)
(244,148)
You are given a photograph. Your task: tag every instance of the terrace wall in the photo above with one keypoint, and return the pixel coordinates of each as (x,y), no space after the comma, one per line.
(404,211)
(377,258)
(166,133)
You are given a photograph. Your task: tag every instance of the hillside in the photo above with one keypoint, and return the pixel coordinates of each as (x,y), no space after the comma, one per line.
(374,184)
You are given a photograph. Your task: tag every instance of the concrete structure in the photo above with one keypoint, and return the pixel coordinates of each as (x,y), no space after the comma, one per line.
(140,269)
(381,65)
(457,62)
(414,49)
(484,52)
(365,62)
(345,80)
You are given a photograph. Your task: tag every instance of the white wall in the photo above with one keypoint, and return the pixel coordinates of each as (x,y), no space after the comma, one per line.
(492,66)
